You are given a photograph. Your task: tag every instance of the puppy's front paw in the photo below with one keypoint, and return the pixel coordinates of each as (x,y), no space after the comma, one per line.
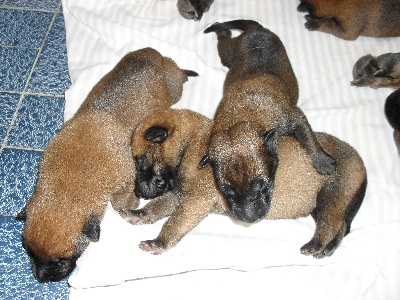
(313,247)
(135,217)
(312,22)
(324,164)
(155,247)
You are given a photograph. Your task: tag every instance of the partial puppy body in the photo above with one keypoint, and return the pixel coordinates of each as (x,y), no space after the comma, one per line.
(193,9)
(260,97)
(90,163)
(376,72)
(392,112)
(348,19)
(175,140)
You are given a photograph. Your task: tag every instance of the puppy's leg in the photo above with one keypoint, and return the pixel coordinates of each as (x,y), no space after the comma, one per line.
(187,216)
(333,216)
(302,131)
(153,211)
(124,198)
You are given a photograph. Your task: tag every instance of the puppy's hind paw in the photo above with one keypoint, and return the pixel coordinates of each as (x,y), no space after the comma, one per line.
(155,247)
(134,217)
(311,248)
(312,22)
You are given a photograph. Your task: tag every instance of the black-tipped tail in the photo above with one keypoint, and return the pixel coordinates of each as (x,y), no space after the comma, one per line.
(235,24)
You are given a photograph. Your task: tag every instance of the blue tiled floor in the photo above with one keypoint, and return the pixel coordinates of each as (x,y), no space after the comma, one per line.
(33,79)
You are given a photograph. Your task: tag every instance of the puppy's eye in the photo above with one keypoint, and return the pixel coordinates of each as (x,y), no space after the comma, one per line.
(156,134)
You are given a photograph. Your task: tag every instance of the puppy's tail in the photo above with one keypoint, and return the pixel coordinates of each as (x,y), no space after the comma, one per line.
(235,24)
(392,109)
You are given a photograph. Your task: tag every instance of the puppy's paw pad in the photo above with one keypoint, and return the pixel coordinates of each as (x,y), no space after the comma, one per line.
(156,247)
(134,217)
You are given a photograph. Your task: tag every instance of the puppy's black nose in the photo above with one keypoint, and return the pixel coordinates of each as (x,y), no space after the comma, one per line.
(160,182)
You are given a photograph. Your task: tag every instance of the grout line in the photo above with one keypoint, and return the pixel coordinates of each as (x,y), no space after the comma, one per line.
(34,94)
(25,148)
(23,93)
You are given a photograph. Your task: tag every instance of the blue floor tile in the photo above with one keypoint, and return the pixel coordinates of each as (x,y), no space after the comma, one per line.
(39,118)
(56,290)
(51,72)
(16,279)
(15,67)
(18,173)
(23,28)
(8,104)
(49,5)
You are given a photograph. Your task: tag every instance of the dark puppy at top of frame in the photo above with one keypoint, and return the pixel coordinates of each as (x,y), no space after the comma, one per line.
(377,71)
(392,113)
(174,140)
(193,9)
(349,19)
(90,163)
(260,94)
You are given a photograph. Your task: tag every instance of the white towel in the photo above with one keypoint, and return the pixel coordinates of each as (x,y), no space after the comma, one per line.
(220,258)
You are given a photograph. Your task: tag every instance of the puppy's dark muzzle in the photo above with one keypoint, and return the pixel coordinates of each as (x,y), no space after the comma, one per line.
(249,214)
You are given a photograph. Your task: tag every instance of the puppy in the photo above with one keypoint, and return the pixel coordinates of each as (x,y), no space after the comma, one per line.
(381,71)
(89,162)
(193,9)
(392,113)
(174,140)
(348,19)
(260,96)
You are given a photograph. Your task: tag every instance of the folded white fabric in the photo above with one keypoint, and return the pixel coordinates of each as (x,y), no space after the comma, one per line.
(219,257)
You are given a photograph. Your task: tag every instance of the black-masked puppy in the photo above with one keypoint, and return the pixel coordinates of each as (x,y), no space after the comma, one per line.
(193,9)
(174,140)
(392,113)
(90,163)
(348,19)
(376,72)
(259,99)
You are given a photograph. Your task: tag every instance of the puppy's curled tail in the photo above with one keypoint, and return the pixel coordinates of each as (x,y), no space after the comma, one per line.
(235,24)
(392,109)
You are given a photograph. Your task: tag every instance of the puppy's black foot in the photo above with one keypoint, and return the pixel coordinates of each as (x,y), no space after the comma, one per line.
(313,247)
(312,22)
(323,163)
(306,7)
(135,217)
(156,247)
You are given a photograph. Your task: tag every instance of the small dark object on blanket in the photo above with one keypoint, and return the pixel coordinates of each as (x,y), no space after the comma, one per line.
(392,112)
(193,9)
(259,103)
(348,19)
(174,140)
(376,72)
(90,163)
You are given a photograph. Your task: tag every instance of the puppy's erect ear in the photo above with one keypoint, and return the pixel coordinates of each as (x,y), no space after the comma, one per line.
(270,140)
(204,162)
(92,229)
(156,134)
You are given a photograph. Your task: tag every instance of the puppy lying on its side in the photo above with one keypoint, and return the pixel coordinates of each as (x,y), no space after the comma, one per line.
(193,9)
(167,147)
(90,162)
(348,19)
(260,97)
(392,113)
(376,72)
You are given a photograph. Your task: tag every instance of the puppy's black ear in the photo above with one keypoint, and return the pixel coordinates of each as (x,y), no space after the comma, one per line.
(204,162)
(21,216)
(156,134)
(270,140)
(190,73)
(92,229)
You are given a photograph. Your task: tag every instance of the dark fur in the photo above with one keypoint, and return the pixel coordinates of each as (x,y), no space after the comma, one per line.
(348,19)
(89,162)
(193,9)
(376,72)
(392,113)
(260,95)
(332,200)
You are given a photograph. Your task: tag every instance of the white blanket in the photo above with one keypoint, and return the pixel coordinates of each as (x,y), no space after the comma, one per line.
(220,258)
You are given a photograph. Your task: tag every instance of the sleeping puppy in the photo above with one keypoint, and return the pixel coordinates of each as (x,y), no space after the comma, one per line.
(90,163)
(376,72)
(193,9)
(392,113)
(260,96)
(168,145)
(348,19)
